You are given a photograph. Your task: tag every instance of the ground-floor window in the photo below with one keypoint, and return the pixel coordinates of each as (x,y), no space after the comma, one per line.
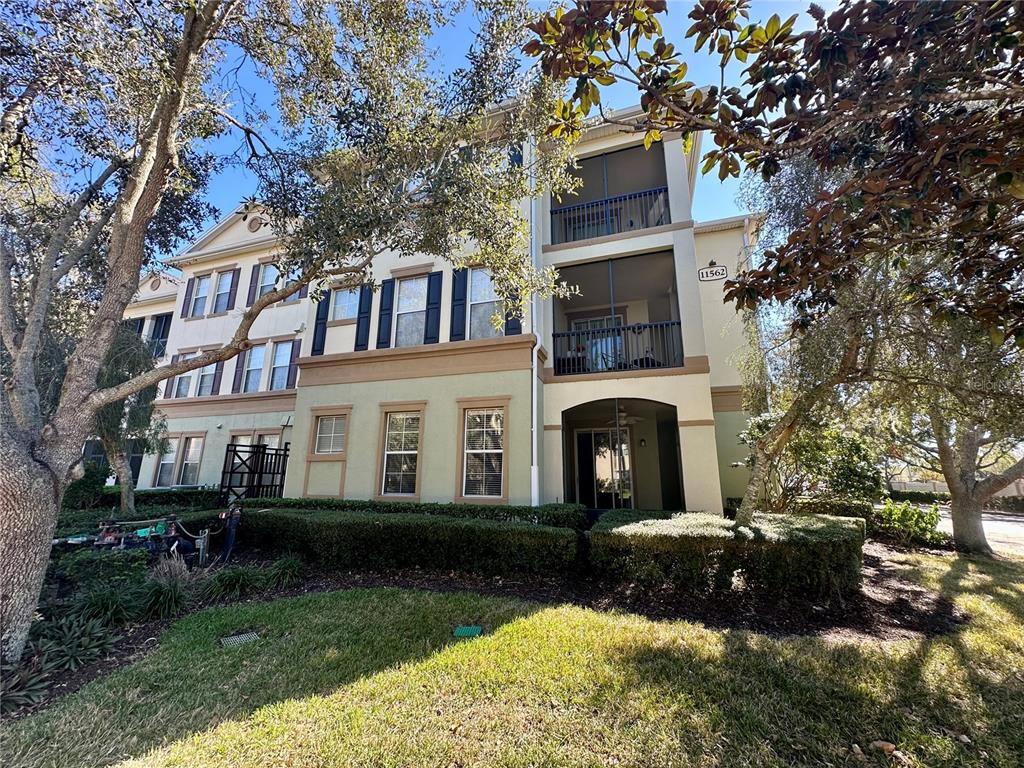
(330,434)
(400,460)
(484,452)
(179,463)
(191,453)
(166,462)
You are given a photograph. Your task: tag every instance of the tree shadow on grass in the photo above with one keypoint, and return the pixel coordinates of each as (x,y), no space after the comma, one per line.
(309,646)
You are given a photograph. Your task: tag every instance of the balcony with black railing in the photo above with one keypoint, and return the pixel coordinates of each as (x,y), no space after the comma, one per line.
(635,347)
(610,216)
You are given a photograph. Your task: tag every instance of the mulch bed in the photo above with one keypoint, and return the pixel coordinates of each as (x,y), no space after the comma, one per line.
(888,607)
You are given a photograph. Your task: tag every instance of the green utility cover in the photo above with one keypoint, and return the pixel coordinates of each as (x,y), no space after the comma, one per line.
(469,631)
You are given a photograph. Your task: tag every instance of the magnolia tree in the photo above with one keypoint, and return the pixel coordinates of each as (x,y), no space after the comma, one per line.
(113,115)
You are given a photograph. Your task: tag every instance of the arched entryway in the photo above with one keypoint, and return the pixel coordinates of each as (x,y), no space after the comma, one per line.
(622,453)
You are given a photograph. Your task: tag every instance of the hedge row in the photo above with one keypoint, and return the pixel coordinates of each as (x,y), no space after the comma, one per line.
(808,555)
(1004,503)
(556,515)
(85,521)
(400,540)
(841,507)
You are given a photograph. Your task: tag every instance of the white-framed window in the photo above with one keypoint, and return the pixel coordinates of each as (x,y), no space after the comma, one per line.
(254,368)
(166,462)
(183,384)
(411,312)
(330,434)
(483,303)
(345,304)
(401,453)
(280,365)
(200,291)
(269,275)
(207,374)
(484,452)
(223,294)
(191,452)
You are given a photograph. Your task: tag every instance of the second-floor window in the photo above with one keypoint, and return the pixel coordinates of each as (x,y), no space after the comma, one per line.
(411,313)
(268,279)
(223,295)
(207,374)
(483,303)
(279,369)
(160,329)
(183,384)
(199,295)
(345,304)
(254,368)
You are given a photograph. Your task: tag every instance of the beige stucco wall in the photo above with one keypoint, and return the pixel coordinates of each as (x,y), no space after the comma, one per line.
(218,431)
(439,449)
(723,326)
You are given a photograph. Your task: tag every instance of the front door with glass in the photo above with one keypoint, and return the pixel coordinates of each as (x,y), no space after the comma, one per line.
(604,471)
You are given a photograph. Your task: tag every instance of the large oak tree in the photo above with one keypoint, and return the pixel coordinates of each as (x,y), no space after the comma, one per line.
(114,112)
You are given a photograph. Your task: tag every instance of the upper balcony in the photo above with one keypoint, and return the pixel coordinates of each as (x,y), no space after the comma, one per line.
(621,191)
(625,318)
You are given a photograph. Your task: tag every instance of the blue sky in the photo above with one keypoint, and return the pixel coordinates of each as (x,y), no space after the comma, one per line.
(712,200)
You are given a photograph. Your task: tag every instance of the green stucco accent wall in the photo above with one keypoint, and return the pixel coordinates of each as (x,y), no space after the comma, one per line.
(728,425)
(439,449)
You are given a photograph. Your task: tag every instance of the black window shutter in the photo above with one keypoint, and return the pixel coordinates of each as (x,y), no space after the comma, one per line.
(387,301)
(513,325)
(304,291)
(235,274)
(188,296)
(254,282)
(293,363)
(236,385)
(363,319)
(169,383)
(460,285)
(218,374)
(323,307)
(432,328)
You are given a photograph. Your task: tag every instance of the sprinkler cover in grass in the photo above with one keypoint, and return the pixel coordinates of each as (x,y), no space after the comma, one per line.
(468,631)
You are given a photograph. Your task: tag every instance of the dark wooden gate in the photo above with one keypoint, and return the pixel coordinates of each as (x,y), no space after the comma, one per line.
(253,472)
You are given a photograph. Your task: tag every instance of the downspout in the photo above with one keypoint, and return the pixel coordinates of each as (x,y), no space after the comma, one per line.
(535,321)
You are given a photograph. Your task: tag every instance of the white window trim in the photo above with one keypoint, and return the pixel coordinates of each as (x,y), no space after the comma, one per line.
(396,313)
(183,444)
(385,453)
(466,452)
(334,436)
(287,365)
(334,306)
(160,462)
(200,372)
(262,369)
(229,274)
(196,295)
(470,302)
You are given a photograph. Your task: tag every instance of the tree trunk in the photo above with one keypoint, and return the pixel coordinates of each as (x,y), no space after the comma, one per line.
(755,490)
(30,498)
(968,531)
(123,471)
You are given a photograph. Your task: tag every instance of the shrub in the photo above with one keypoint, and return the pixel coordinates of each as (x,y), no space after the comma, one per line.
(169,589)
(81,571)
(233,582)
(72,642)
(285,572)
(370,540)
(907,523)
(24,684)
(841,507)
(84,521)
(919,497)
(87,491)
(1006,503)
(556,515)
(111,605)
(811,556)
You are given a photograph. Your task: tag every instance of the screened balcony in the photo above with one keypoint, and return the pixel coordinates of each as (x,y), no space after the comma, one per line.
(625,318)
(621,191)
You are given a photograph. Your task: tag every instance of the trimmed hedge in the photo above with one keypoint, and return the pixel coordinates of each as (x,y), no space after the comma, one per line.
(836,507)
(814,556)
(85,521)
(572,516)
(920,497)
(183,498)
(1006,503)
(345,539)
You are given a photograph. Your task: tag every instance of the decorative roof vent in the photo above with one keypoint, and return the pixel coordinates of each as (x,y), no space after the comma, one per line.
(255,223)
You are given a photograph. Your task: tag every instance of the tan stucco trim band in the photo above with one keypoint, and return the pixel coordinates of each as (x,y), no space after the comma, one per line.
(691,365)
(552,427)
(726,399)
(502,353)
(618,236)
(697,423)
(413,270)
(219,405)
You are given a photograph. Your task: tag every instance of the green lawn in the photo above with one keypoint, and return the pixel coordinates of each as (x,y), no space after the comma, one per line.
(373,678)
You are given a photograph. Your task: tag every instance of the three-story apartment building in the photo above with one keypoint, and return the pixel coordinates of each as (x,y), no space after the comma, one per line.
(624,395)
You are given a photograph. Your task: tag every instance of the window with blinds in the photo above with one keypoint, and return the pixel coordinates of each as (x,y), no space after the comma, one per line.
(191,452)
(330,434)
(484,452)
(401,453)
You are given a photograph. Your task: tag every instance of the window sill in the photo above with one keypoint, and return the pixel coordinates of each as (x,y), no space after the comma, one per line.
(412,498)
(337,323)
(496,500)
(335,457)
